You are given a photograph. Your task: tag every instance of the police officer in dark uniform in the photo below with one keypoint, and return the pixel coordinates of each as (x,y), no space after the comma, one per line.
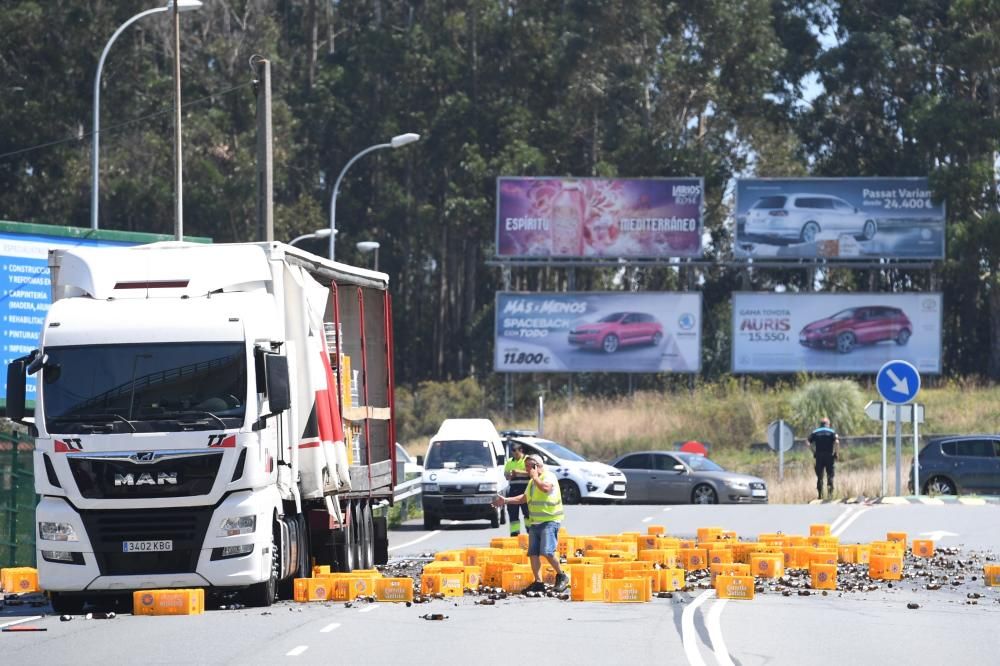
(825,446)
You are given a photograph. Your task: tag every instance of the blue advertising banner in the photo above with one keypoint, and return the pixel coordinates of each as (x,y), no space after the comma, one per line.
(598,332)
(846,333)
(839,218)
(25,289)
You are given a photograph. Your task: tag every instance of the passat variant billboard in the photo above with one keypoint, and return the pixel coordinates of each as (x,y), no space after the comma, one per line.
(598,332)
(844,218)
(599,217)
(835,333)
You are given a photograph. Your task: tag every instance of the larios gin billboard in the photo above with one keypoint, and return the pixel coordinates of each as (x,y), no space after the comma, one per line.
(597,217)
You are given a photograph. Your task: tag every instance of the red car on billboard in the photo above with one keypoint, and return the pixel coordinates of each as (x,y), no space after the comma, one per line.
(857,326)
(616,330)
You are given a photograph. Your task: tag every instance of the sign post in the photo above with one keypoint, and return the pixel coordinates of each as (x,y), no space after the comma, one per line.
(780,438)
(898,383)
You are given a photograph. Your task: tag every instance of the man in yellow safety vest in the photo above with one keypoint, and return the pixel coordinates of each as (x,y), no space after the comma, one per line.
(517,474)
(544,501)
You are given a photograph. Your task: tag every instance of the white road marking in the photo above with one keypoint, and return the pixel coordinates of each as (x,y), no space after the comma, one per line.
(667,509)
(689,637)
(937,535)
(931,500)
(836,521)
(415,541)
(714,625)
(972,501)
(330,627)
(296,651)
(21,621)
(369,608)
(847,523)
(647,519)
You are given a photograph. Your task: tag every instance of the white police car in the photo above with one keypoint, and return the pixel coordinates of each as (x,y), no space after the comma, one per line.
(579,479)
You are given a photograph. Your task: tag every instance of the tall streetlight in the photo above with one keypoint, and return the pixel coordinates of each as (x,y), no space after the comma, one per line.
(182,6)
(319,233)
(369,246)
(395,142)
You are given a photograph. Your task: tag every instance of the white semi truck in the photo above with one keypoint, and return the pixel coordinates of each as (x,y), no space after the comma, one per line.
(215,416)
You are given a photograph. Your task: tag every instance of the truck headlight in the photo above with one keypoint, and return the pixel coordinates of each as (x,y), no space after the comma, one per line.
(431,488)
(736,484)
(237,526)
(57,532)
(488,487)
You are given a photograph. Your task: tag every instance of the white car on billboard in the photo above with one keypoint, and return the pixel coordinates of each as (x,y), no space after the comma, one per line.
(580,480)
(803,217)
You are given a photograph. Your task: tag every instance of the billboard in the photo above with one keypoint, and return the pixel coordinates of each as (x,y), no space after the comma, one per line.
(598,332)
(838,218)
(24,280)
(835,333)
(598,217)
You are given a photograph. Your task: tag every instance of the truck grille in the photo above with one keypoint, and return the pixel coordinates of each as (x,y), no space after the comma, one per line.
(167,474)
(185,527)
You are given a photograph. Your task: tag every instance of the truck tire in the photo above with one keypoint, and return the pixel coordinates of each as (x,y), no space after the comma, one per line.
(345,548)
(303,566)
(262,594)
(367,538)
(381,533)
(64,603)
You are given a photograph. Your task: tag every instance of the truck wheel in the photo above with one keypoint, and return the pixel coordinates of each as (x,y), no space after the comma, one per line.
(431,521)
(66,604)
(345,549)
(367,538)
(262,594)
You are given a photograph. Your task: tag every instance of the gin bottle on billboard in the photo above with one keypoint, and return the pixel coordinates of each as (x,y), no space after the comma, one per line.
(567,221)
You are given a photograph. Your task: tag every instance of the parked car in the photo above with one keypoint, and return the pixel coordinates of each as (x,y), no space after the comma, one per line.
(664,477)
(803,216)
(617,330)
(580,480)
(854,326)
(957,465)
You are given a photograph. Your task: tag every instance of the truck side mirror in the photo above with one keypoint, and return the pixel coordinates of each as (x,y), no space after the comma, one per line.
(16,380)
(278,391)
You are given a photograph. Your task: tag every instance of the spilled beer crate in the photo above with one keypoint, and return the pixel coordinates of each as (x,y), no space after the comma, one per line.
(168,602)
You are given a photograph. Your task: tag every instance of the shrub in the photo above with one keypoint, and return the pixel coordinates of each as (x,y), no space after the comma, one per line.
(841,400)
(419,412)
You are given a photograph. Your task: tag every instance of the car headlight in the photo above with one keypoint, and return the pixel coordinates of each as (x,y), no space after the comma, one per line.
(488,487)
(736,484)
(237,526)
(431,488)
(57,532)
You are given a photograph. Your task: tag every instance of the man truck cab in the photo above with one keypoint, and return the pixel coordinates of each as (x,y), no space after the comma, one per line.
(463,473)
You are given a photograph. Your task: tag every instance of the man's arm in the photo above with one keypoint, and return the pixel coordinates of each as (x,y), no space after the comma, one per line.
(500,500)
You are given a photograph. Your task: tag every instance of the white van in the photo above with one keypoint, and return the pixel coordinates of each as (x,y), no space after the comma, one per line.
(463,472)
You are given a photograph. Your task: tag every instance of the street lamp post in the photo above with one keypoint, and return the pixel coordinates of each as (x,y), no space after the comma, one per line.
(395,142)
(182,6)
(369,246)
(319,233)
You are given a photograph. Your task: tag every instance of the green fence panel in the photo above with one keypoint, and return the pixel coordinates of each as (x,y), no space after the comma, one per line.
(17,501)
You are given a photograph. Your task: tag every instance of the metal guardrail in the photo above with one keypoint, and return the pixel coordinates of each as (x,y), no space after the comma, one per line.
(406,489)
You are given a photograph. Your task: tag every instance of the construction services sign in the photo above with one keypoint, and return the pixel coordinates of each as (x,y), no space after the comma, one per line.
(835,333)
(598,332)
(597,217)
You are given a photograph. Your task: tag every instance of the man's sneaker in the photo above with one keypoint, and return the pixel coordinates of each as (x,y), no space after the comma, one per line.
(537,586)
(562,582)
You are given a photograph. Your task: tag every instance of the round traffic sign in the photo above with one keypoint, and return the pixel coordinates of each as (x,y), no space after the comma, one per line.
(787,437)
(898,382)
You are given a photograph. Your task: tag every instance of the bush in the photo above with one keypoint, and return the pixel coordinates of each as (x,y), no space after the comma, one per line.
(840,400)
(419,412)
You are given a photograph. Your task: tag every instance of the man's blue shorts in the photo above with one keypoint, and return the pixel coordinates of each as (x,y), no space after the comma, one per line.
(542,538)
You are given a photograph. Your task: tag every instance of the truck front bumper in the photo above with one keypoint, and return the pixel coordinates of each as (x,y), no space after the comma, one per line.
(99,561)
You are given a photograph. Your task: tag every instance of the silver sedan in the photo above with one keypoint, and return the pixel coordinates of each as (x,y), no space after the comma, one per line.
(674,477)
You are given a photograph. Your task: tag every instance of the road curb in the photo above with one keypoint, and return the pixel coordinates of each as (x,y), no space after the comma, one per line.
(970,500)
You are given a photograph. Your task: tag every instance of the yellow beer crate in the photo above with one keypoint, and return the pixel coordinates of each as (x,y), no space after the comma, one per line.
(728,569)
(586,582)
(515,581)
(394,589)
(897,537)
(991,575)
(819,529)
(823,576)
(169,602)
(450,585)
(923,548)
(767,565)
(19,580)
(493,572)
(671,580)
(656,530)
(626,590)
(734,587)
(885,567)
(312,589)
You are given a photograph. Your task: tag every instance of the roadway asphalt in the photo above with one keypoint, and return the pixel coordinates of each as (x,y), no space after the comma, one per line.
(875,626)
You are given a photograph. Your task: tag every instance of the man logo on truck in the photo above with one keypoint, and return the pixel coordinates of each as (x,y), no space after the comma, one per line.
(146,479)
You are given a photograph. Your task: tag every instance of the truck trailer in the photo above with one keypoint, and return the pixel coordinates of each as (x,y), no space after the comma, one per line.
(214,416)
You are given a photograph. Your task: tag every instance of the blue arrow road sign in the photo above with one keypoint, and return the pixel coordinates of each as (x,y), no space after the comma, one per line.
(898,382)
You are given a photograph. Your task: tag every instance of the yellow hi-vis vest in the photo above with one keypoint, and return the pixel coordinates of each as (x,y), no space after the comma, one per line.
(544,507)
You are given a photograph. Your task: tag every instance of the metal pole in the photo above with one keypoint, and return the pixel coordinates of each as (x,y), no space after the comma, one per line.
(916,446)
(336,190)
(541,415)
(885,449)
(95,151)
(899,451)
(265,154)
(178,169)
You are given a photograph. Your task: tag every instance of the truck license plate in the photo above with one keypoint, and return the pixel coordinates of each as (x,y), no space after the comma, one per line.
(147,546)
(477,500)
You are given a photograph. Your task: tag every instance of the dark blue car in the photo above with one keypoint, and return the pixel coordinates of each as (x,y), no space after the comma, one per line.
(962,464)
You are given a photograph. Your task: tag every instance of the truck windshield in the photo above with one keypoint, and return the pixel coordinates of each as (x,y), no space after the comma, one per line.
(463,453)
(164,387)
